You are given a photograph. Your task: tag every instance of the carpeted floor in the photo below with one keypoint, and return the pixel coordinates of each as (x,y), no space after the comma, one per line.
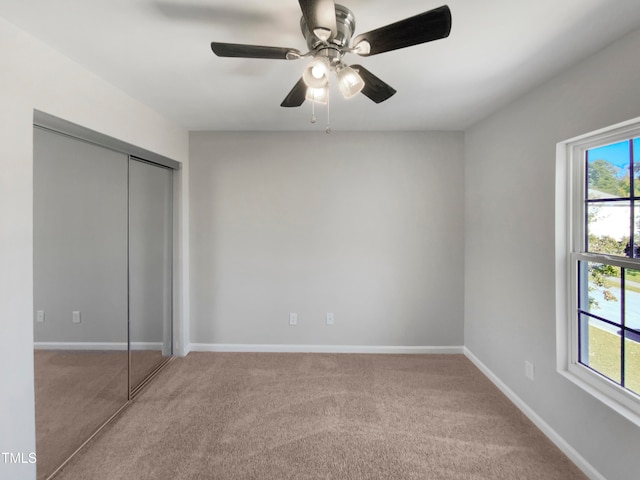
(143,363)
(321,416)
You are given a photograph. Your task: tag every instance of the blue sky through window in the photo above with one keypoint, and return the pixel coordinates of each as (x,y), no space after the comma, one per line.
(616,154)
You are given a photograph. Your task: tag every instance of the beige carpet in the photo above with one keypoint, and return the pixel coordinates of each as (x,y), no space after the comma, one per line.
(143,363)
(76,392)
(321,416)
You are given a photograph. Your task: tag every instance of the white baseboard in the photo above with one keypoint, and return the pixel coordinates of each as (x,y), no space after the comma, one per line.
(96,345)
(554,436)
(250,347)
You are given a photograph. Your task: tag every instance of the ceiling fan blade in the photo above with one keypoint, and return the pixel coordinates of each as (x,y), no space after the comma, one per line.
(374,88)
(296,96)
(320,16)
(254,51)
(425,27)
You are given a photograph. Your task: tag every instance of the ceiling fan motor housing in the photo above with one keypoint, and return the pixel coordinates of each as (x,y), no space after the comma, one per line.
(345,24)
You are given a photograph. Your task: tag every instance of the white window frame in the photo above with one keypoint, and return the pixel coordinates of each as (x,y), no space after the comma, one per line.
(570,234)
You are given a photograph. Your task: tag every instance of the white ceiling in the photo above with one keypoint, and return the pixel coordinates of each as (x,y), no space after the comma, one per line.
(158,51)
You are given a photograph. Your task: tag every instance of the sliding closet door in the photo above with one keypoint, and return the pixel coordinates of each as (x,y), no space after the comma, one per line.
(80,292)
(150,272)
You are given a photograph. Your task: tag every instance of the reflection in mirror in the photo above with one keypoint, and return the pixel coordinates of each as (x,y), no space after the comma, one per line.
(150,258)
(80,292)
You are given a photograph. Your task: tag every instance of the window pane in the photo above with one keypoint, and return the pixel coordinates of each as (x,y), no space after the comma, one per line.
(608,171)
(636,233)
(636,165)
(600,348)
(599,290)
(632,361)
(608,226)
(632,298)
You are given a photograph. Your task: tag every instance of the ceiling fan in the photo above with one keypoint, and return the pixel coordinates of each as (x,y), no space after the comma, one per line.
(328,28)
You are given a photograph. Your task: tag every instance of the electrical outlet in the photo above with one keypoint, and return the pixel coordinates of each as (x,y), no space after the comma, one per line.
(330,318)
(293,319)
(75,317)
(40,316)
(529,370)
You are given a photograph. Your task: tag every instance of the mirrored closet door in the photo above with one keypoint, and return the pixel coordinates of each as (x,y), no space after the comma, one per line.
(102,286)
(80,292)
(150,262)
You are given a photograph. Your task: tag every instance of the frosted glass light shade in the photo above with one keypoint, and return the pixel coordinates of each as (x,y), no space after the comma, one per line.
(318,95)
(316,75)
(349,81)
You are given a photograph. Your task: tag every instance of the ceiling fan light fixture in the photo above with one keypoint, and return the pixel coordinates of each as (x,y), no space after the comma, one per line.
(328,31)
(316,74)
(349,82)
(318,95)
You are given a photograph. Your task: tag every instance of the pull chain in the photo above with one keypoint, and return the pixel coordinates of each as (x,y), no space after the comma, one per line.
(328,129)
(313,109)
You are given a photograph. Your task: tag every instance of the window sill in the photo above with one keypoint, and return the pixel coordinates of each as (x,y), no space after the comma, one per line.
(606,393)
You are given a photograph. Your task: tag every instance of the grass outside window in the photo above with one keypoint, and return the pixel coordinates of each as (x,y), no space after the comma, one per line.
(604,357)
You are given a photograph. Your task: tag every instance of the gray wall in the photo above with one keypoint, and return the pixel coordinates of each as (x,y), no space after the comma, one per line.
(510,249)
(366,225)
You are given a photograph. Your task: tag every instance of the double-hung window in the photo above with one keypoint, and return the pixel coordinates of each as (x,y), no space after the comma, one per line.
(601,319)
